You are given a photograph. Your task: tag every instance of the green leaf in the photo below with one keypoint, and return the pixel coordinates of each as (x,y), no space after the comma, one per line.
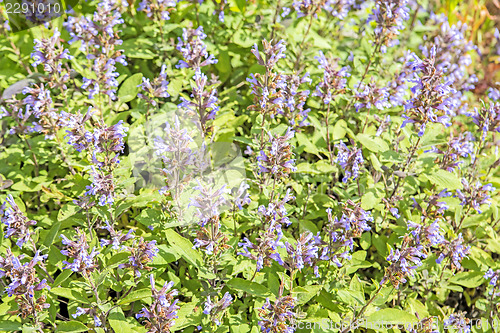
(189,314)
(417,307)
(9,326)
(369,200)
(118,322)
(375,162)
(375,144)
(71,326)
(184,248)
(49,238)
(70,294)
(356,285)
(365,240)
(67,211)
(129,89)
(339,130)
(117,259)
(249,287)
(351,297)
(468,279)
(391,316)
(136,295)
(444,179)
(165,255)
(304,294)
(308,145)
(138,48)
(223,64)
(62,277)
(242,38)
(305,168)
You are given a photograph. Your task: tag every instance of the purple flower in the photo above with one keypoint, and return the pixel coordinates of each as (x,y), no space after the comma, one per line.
(214,309)
(304,252)
(350,161)
(341,232)
(398,86)
(157,9)
(208,202)
(161,314)
(452,57)
(117,238)
(265,249)
(269,90)
(273,53)
(210,238)
(110,139)
(107,144)
(455,250)
(157,89)
(23,279)
(83,261)
(334,80)
(38,103)
(432,234)
(404,261)
(395,212)
(487,118)
(337,8)
(275,213)
(276,158)
(77,136)
(99,41)
(88,311)
(294,100)
(241,196)
(102,186)
(278,317)
(16,109)
(474,195)
(461,146)
(16,221)
(142,253)
(194,50)
(178,158)
(389,16)
(369,95)
(494,94)
(49,53)
(204,105)
(432,94)
(493,276)
(458,323)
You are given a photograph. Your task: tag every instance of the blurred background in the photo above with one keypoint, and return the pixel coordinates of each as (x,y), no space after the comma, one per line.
(483,19)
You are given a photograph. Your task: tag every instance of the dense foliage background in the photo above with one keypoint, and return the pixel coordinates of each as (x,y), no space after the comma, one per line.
(246,166)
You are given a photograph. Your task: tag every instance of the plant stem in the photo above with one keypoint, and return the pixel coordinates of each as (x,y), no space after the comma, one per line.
(330,154)
(410,157)
(363,77)
(275,18)
(364,307)
(492,307)
(297,61)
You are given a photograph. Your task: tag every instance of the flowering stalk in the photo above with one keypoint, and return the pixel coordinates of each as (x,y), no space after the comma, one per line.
(302,44)
(268,89)
(161,315)
(360,313)
(334,83)
(413,149)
